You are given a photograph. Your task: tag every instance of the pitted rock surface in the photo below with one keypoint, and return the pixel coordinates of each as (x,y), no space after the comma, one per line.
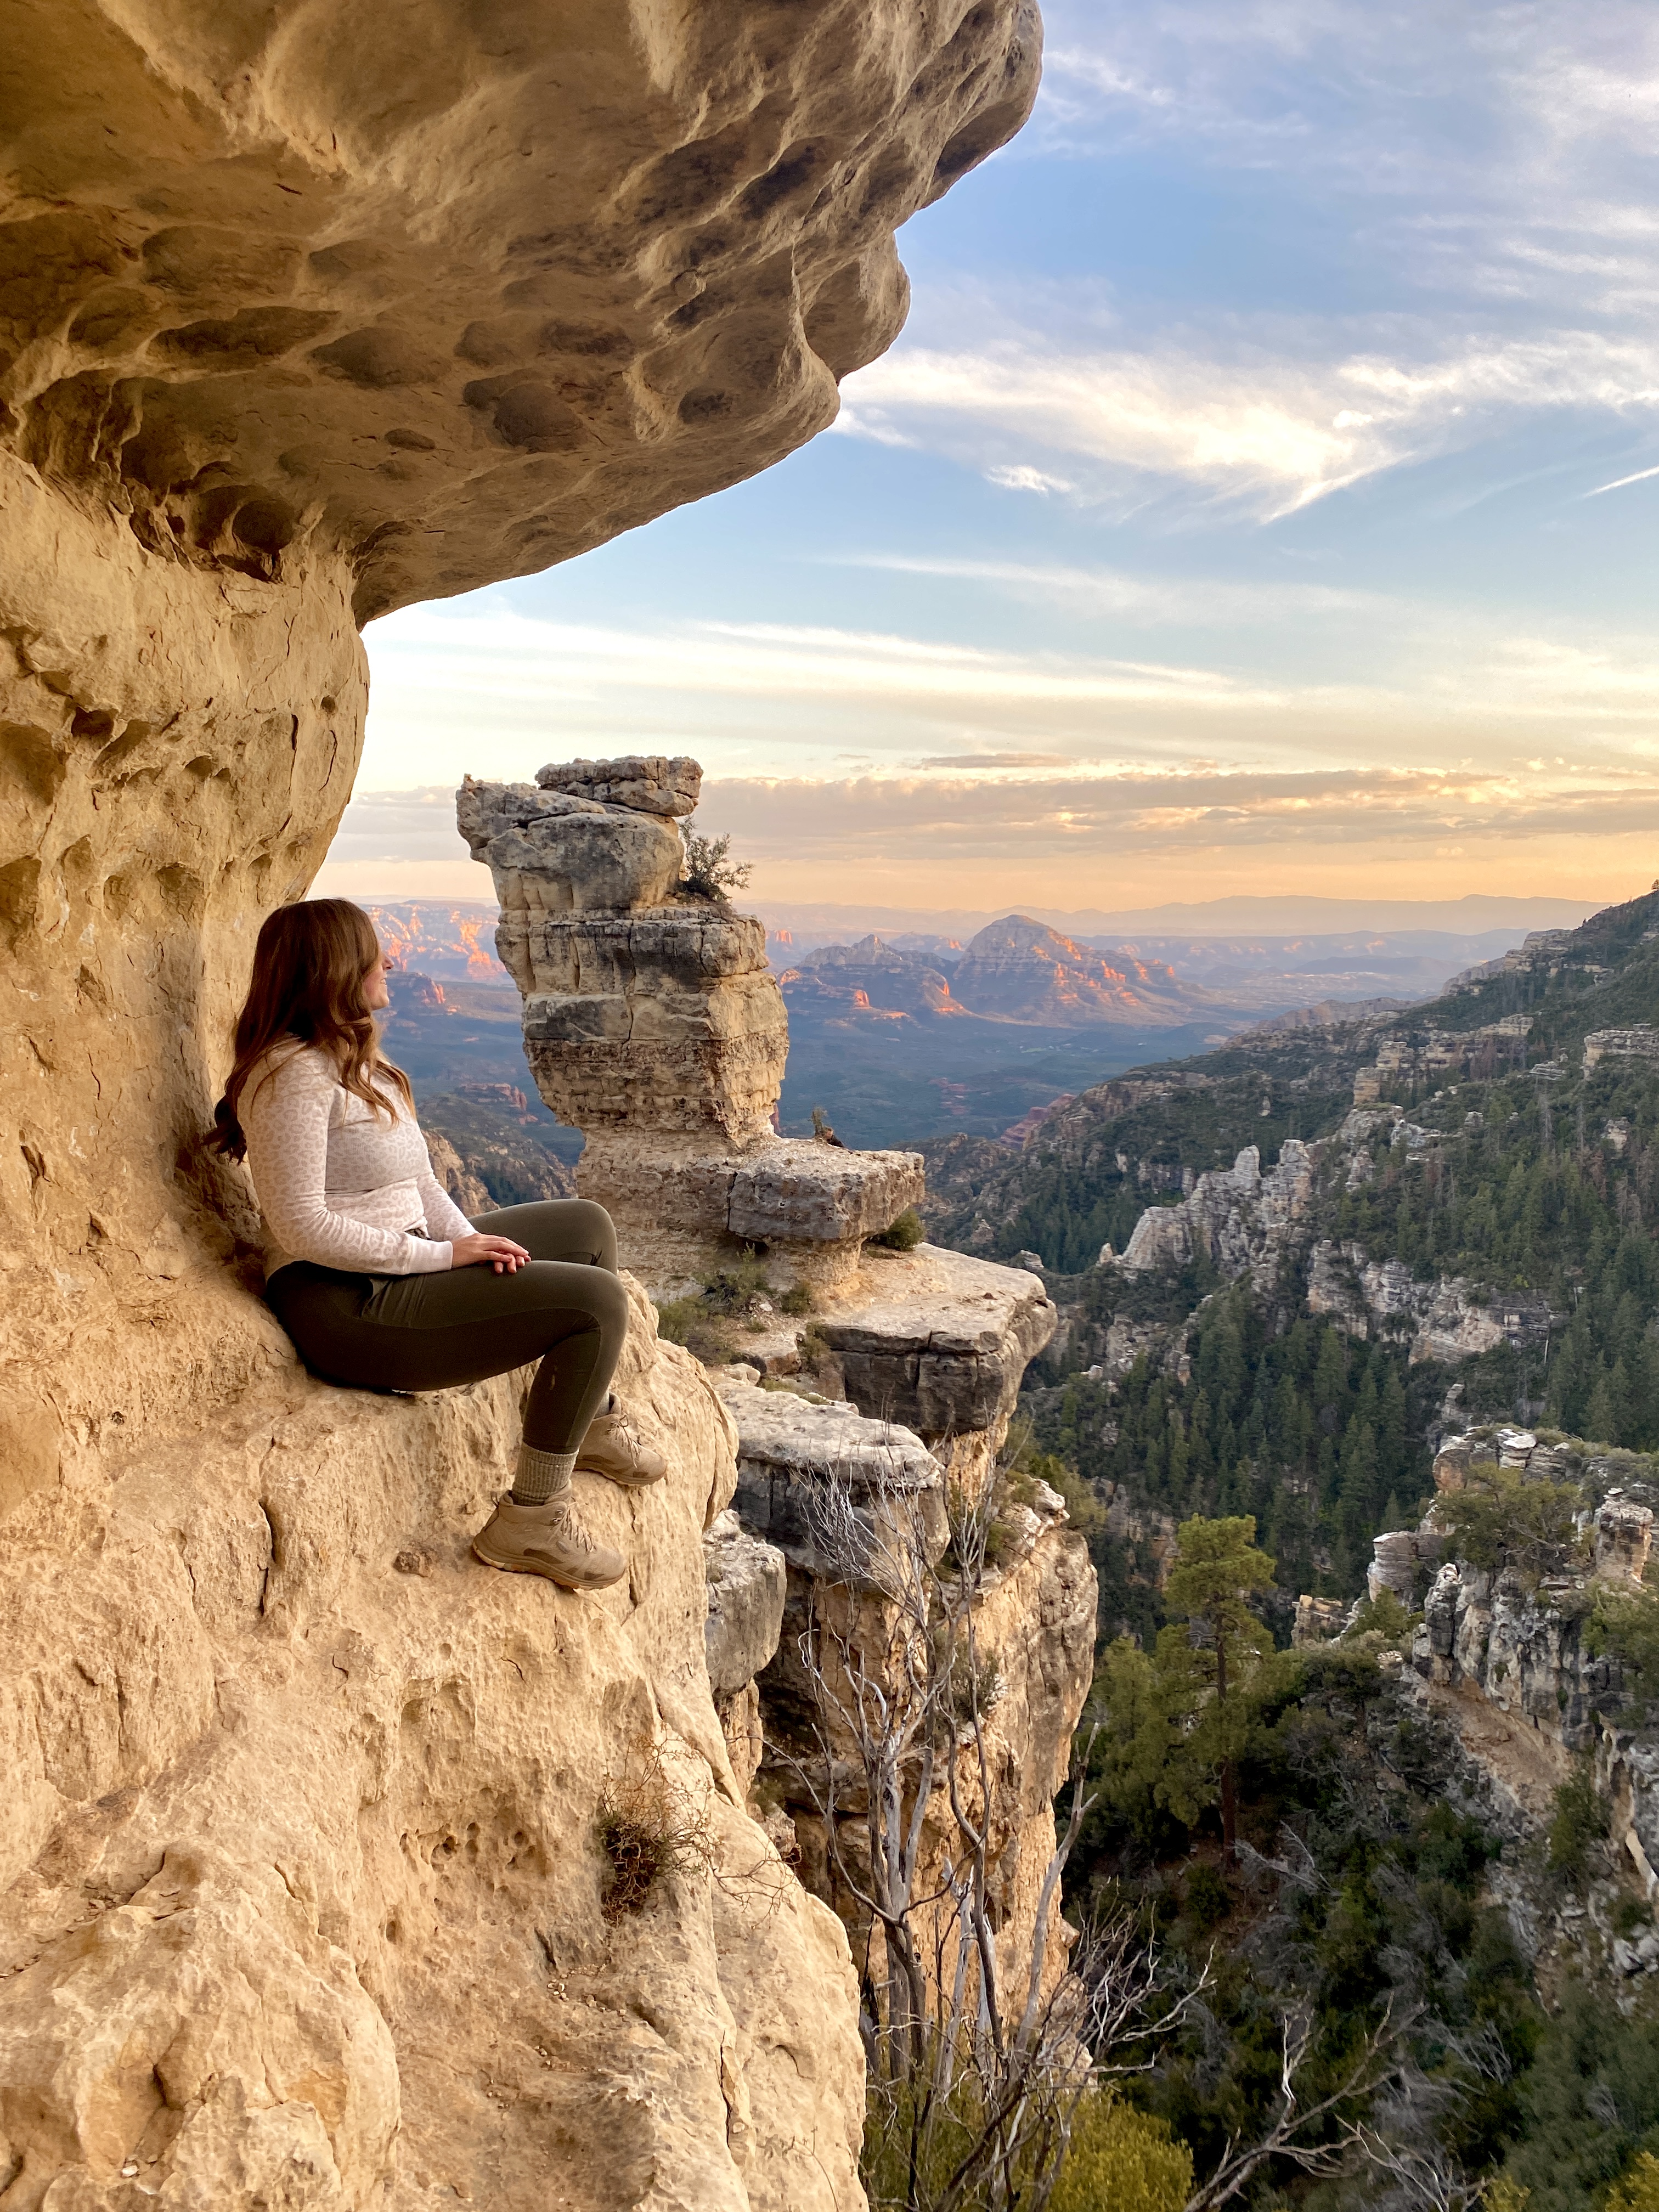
(459,299)
(299,1884)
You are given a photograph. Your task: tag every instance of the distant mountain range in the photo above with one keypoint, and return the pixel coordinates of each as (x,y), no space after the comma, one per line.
(923,1033)
(1295,915)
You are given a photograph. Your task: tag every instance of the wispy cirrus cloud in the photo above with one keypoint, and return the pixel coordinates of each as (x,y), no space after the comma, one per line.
(523,690)
(1493,170)
(1274,430)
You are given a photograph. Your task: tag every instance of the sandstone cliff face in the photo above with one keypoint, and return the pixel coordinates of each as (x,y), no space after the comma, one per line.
(650,1019)
(304,316)
(1034,1623)
(302,1892)
(307,312)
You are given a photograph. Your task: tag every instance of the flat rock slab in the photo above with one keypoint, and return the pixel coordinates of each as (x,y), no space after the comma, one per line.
(936,1340)
(645,782)
(788,1448)
(785,1190)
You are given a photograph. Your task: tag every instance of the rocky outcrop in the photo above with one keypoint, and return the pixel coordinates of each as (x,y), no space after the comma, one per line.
(652,1022)
(1443,1317)
(1503,1653)
(1034,1623)
(460,304)
(900,981)
(1640,1041)
(303,1890)
(457,1178)
(1237,1218)
(304,319)
(746,1579)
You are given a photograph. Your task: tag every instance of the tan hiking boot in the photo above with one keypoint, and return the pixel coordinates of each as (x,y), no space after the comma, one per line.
(616,1447)
(547,1539)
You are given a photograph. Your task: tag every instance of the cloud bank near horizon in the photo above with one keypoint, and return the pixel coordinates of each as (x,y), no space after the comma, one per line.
(1060,839)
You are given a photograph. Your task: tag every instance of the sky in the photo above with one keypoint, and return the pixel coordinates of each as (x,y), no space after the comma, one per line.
(1262,498)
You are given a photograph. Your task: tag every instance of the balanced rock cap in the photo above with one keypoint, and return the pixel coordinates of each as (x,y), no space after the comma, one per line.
(646,783)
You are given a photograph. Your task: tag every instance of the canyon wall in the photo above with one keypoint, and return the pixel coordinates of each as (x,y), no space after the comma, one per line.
(307,312)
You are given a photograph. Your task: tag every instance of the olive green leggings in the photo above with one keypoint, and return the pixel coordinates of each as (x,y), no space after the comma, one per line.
(566,1309)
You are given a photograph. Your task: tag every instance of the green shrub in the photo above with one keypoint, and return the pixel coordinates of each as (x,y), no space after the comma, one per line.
(708,874)
(733,1290)
(678,1317)
(1385,1616)
(1123,2160)
(1580,1821)
(902,1235)
(1624,1625)
(798,1299)
(1499,1520)
(1205,1899)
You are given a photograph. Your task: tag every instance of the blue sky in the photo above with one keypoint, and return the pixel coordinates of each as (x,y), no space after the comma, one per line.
(1231,515)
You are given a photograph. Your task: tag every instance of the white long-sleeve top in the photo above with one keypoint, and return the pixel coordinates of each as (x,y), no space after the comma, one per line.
(336,1183)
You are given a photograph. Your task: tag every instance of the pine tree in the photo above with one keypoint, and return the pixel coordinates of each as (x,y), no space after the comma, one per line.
(1217,1565)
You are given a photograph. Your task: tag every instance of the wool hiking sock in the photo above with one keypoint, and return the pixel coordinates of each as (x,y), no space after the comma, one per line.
(541,1475)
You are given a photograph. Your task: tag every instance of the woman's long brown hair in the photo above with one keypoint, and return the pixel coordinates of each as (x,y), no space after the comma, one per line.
(307,988)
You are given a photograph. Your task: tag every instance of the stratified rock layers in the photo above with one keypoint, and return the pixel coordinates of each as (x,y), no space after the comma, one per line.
(652,1022)
(307,312)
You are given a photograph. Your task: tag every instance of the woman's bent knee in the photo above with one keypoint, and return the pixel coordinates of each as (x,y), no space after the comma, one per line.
(574,1230)
(610,1303)
(592,1227)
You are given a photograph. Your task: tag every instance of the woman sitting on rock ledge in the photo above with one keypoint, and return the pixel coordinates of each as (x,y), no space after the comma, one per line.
(377,1275)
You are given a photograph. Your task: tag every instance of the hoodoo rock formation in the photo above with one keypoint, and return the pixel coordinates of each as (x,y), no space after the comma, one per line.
(307,312)
(651,1021)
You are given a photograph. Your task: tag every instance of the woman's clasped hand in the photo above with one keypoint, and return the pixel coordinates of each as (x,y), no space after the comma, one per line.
(500,1253)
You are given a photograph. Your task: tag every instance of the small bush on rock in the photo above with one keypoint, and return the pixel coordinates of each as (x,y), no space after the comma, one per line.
(648,1827)
(1499,1520)
(902,1235)
(708,874)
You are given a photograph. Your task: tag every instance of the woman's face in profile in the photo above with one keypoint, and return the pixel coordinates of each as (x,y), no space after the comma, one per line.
(375,992)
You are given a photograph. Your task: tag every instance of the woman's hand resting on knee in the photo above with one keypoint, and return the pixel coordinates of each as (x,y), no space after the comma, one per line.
(500,1253)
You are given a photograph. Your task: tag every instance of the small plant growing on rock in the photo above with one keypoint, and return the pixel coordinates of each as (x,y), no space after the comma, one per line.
(902,1235)
(737,1289)
(708,874)
(1385,1615)
(647,1828)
